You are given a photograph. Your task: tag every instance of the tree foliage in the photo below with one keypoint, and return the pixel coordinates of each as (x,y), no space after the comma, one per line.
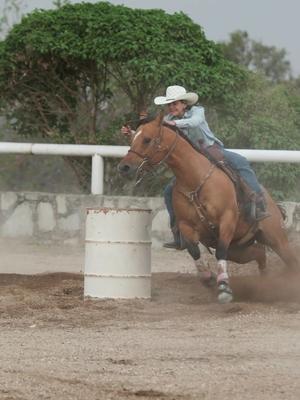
(265,116)
(72,74)
(256,56)
(143,50)
(68,73)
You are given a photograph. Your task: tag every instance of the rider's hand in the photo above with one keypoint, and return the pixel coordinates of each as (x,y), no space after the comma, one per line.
(127,131)
(172,123)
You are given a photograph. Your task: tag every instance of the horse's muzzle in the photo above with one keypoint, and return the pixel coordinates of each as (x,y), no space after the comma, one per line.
(125,169)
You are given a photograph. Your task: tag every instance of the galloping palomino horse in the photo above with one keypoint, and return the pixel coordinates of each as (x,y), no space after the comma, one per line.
(206,205)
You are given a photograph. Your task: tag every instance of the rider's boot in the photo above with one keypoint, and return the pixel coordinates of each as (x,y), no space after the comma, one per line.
(177,243)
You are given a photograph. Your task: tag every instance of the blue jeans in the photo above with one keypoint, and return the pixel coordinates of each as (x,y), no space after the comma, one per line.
(242,166)
(237,162)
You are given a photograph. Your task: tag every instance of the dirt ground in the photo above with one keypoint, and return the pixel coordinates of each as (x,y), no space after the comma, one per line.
(180,345)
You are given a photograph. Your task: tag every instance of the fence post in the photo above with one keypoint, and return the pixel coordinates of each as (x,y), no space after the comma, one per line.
(97,178)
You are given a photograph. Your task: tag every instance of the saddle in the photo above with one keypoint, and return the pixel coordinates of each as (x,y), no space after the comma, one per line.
(245,195)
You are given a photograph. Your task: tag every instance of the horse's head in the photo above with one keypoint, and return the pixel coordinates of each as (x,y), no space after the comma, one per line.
(150,146)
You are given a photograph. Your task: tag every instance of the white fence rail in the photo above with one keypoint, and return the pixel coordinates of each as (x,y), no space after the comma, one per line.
(99,152)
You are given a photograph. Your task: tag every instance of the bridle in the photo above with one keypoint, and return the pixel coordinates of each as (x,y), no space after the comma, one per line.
(156,147)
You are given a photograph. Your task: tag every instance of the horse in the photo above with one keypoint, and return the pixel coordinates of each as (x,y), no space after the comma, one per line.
(206,206)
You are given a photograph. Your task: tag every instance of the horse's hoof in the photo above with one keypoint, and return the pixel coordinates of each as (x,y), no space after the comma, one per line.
(225,293)
(225,297)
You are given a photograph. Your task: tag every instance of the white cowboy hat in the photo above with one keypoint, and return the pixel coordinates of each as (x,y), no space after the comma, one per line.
(176,93)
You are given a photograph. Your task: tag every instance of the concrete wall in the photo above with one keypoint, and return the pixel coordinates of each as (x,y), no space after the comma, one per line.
(48,217)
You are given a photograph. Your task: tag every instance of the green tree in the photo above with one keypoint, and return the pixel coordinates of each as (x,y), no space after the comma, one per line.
(265,116)
(292,87)
(67,74)
(256,56)
(267,113)
(10,13)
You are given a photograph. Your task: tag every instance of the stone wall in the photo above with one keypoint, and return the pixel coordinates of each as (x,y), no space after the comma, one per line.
(48,217)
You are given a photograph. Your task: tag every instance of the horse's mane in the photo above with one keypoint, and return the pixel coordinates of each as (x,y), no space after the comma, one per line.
(183,135)
(174,128)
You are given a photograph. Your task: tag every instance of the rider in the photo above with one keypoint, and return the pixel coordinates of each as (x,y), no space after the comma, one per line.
(190,119)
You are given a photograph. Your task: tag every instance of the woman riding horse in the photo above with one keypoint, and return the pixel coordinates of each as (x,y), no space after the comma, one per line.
(206,205)
(190,119)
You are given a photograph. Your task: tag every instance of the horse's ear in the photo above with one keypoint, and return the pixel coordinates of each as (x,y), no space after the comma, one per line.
(160,117)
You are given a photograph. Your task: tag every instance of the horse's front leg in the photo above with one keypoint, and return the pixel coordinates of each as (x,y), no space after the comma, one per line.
(226,232)
(191,240)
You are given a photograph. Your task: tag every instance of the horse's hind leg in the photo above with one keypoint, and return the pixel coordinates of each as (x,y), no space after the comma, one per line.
(244,254)
(278,241)
(273,234)
(286,253)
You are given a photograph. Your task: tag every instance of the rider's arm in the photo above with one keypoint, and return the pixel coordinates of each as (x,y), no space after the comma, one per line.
(127,130)
(196,118)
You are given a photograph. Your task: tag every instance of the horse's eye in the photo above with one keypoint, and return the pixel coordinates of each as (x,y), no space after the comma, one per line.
(146,140)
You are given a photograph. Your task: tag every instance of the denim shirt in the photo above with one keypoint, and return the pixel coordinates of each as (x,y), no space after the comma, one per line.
(193,124)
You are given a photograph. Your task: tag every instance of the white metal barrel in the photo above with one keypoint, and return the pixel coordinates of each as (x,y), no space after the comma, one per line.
(118,253)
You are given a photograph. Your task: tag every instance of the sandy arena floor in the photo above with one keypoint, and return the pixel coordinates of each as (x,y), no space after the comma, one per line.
(180,345)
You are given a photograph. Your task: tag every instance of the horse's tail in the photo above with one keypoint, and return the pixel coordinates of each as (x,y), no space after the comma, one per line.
(282,210)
